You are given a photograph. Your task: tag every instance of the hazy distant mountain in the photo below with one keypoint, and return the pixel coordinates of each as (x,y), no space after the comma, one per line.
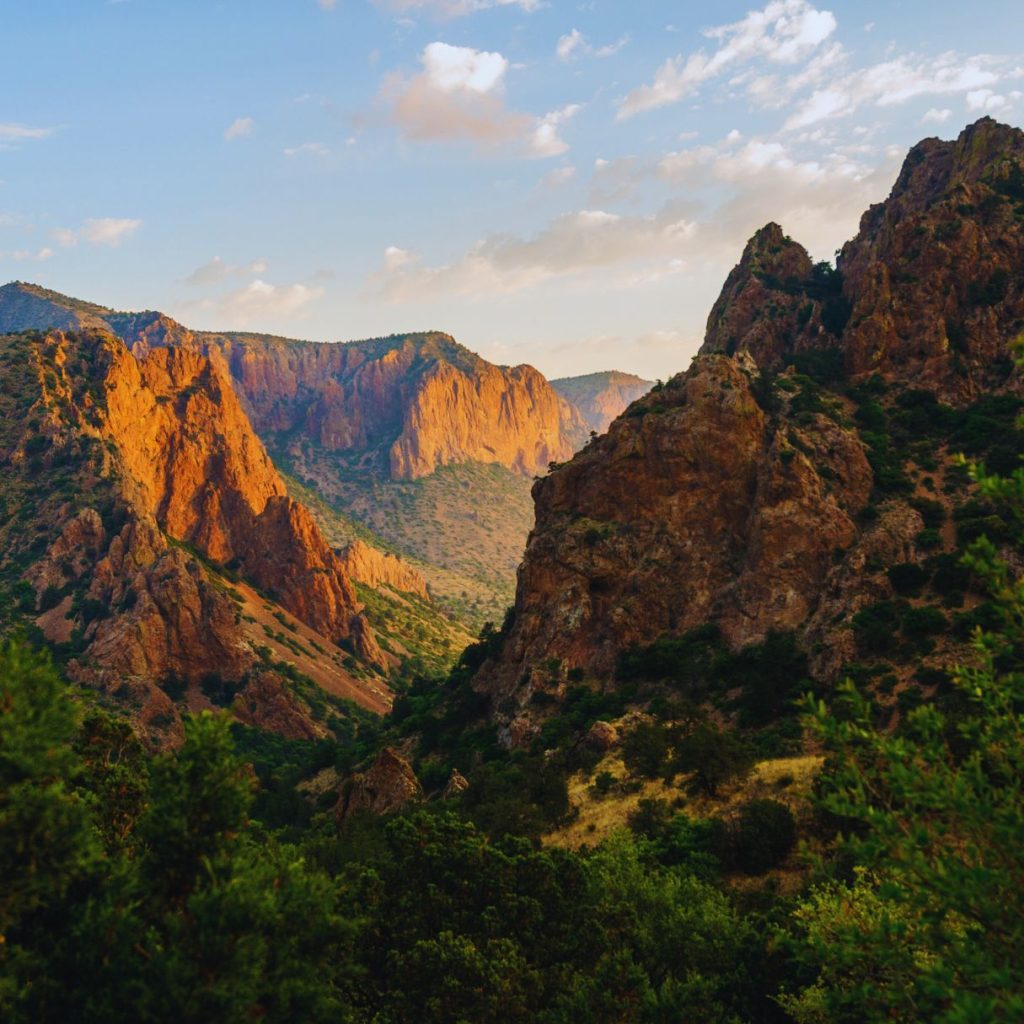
(601,397)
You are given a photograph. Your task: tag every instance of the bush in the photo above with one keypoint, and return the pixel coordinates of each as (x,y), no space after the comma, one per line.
(765,835)
(713,756)
(645,749)
(907,578)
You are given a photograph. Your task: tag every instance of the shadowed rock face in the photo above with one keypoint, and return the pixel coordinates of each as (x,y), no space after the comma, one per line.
(722,499)
(696,506)
(935,277)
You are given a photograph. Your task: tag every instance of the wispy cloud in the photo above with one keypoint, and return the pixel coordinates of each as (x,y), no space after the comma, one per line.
(108,231)
(574,44)
(307,149)
(240,127)
(570,244)
(217,271)
(903,78)
(784,32)
(12,134)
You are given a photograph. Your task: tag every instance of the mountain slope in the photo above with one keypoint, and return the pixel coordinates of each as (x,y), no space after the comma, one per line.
(798,479)
(601,397)
(147,535)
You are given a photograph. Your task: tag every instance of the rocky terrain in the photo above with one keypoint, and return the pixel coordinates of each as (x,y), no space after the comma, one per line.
(422,442)
(798,479)
(148,537)
(601,397)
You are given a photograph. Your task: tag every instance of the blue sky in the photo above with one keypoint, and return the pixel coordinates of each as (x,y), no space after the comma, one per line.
(565,184)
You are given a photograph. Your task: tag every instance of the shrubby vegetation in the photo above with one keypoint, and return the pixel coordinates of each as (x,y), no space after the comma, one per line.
(205,886)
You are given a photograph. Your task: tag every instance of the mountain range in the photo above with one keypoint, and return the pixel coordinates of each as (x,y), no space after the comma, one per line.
(394,529)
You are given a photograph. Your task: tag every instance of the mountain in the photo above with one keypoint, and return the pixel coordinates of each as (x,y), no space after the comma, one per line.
(420,441)
(798,480)
(147,537)
(601,397)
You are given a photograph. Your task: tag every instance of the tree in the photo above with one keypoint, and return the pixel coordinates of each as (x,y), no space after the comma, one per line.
(713,756)
(933,927)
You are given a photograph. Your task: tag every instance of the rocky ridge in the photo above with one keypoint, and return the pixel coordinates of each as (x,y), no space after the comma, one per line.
(763,491)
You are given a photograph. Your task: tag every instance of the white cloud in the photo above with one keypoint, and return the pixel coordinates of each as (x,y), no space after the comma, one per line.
(395,258)
(937,116)
(903,78)
(572,244)
(240,127)
(559,176)
(217,270)
(13,132)
(307,149)
(109,231)
(784,32)
(546,141)
(459,94)
(327,5)
(452,69)
(986,100)
(455,8)
(569,44)
(260,299)
(574,44)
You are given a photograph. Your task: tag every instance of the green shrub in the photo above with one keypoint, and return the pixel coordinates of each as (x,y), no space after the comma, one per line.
(765,835)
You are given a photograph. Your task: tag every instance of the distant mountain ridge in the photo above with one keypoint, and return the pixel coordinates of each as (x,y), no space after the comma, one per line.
(602,397)
(412,402)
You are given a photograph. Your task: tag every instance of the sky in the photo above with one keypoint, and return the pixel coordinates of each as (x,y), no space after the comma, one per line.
(560,183)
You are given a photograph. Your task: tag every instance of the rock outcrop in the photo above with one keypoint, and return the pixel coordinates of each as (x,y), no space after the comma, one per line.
(138,504)
(696,506)
(737,494)
(386,786)
(375,568)
(602,397)
(935,276)
(193,462)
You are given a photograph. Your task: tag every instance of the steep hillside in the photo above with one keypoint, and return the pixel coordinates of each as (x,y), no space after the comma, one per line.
(147,536)
(797,481)
(601,397)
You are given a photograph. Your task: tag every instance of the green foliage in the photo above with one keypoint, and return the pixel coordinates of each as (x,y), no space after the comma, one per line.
(765,835)
(932,926)
(714,756)
(126,894)
(645,749)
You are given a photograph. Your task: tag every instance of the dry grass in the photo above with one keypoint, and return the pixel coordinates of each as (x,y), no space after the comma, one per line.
(786,779)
